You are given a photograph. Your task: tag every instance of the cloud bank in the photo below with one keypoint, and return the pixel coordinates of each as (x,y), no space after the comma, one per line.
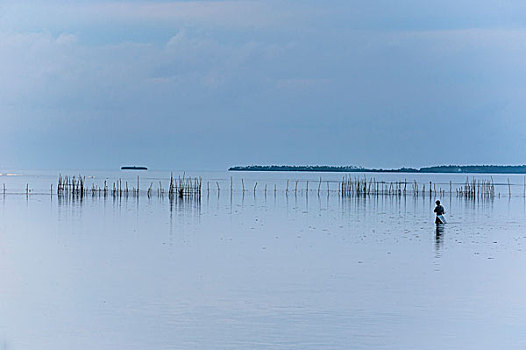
(208,84)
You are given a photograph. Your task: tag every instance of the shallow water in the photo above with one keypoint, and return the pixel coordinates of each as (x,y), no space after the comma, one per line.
(272,271)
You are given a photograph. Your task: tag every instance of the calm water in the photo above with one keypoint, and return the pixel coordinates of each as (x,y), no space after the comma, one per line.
(260,272)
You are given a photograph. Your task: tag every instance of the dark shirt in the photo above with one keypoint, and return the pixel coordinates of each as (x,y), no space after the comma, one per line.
(439,210)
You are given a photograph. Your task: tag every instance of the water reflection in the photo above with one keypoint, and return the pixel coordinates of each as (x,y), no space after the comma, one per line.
(439,237)
(184,205)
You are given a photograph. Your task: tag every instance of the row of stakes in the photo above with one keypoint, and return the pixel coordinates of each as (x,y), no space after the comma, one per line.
(181,187)
(187,187)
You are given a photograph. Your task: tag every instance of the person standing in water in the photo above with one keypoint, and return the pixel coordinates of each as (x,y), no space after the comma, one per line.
(440,211)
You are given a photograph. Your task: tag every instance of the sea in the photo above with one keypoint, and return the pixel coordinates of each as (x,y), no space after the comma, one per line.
(288,263)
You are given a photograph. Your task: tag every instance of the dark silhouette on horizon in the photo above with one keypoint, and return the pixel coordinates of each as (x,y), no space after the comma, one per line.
(456,169)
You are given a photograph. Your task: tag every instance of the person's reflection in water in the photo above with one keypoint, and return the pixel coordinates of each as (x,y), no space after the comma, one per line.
(439,235)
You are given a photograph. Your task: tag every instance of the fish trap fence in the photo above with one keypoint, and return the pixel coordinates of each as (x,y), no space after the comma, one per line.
(77,187)
(471,189)
(193,187)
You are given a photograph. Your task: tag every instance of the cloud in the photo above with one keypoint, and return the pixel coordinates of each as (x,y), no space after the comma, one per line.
(226,14)
(58,75)
(228,76)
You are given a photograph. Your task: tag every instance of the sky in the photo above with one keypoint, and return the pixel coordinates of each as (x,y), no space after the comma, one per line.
(204,85)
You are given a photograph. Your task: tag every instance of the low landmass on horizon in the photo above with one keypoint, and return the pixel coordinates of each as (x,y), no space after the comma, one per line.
(467,169)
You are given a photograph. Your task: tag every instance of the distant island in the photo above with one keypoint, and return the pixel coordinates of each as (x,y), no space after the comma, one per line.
(457,169)
(134,168)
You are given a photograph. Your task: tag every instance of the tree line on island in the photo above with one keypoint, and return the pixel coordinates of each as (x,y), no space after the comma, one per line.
(458,169)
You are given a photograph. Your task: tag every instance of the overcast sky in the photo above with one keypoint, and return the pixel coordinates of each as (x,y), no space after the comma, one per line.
(203,85)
